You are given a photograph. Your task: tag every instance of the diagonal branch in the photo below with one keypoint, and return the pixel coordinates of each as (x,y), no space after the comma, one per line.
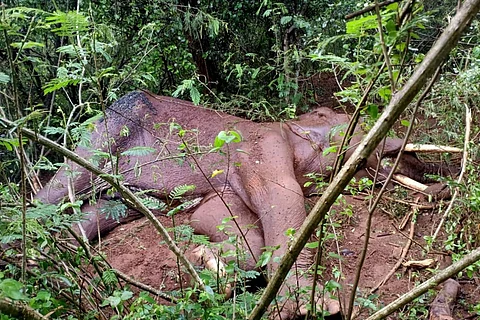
(435,57)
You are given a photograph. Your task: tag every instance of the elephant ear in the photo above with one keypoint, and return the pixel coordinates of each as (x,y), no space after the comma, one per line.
(319,135)
(392,147)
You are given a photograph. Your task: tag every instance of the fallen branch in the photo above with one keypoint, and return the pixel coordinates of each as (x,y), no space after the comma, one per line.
(441,307)
(420,206)
(368,9)
(19,310)
(143,286)
(431,148)
(431,283)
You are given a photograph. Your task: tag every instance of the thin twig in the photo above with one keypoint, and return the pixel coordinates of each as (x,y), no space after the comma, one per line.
(368,9)
(143,286)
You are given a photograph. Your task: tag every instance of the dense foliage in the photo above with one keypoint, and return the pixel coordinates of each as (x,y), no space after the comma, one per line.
(63,62)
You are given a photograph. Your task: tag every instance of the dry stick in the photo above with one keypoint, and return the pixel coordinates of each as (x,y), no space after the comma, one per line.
(143,286)
(382,191)
(126,193)
(468,123)
(434,58)
(369,8)
(19,310)
(24,204)
(440,277)
(404,252)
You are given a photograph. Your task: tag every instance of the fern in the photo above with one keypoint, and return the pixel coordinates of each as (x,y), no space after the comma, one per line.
(109,277)
(178,192)
(154,204)
(70,23)
(114,209)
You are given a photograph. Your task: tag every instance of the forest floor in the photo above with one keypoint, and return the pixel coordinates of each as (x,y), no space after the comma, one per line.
(137,250)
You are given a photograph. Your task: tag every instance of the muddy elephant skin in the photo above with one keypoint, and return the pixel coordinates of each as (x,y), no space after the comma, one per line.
(261,178)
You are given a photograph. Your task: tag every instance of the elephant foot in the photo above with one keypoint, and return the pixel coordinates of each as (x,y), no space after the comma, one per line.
(439,191)
(205,257)
(295,309)
(298,303)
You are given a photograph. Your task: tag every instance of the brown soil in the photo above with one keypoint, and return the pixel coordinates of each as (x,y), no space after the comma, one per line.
(136,250)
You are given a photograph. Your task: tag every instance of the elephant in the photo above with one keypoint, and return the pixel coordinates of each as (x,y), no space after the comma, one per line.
(257,172)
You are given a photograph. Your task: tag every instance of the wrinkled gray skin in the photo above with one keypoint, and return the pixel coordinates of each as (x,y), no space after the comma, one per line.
(262,179)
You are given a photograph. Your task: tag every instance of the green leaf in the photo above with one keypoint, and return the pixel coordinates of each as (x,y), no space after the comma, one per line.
(285,20)
(385,93)
(27,45)
(195,95)
(312,245)
(4,78)
(58,83)
(372,111)
(357,26)
(264,258)
(405,123)
(44,295)
(138,151)
(12,289)
(126,295)
(331,149)
(218,142)
(9,144)
(179,191)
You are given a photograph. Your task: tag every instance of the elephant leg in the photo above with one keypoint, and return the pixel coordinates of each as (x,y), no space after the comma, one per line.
(207,220)
(96,222)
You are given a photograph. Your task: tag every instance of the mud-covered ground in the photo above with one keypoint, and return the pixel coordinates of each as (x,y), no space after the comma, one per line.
(137,250)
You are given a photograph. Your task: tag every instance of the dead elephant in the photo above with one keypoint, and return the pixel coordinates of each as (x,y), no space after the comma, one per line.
(260,179)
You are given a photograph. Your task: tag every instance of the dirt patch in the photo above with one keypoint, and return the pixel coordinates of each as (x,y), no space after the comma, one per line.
(136,250)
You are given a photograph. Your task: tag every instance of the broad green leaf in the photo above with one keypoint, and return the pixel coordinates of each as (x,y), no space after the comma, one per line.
(195,95)
(138,151)
(372,111)
(9,144)
(357,26)
(12,289)
(218,143)
(331,149)
(27,45)
(385,93)
(312,245)
(405,123)
(4,78)
(264,258)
